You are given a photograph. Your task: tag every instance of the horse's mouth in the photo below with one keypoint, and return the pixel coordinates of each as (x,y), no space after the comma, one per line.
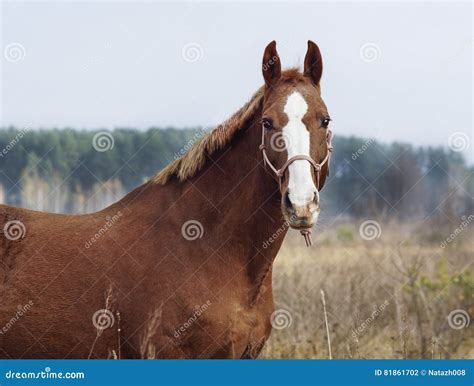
(302,215)
(301,219)
(302,223)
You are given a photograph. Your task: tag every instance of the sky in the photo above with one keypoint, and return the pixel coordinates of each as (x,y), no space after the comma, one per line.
(392,71)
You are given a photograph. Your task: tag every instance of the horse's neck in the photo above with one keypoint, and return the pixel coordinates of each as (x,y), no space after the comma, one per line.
(238,188)
(240,204)
(234,198)
(235,181)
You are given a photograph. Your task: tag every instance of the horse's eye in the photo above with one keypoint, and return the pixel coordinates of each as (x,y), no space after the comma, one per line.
(325,122)
(267,124)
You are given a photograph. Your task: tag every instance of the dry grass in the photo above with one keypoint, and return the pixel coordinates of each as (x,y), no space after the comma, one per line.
(385,298)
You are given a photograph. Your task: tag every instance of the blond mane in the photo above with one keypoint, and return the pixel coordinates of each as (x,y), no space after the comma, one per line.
(192,162)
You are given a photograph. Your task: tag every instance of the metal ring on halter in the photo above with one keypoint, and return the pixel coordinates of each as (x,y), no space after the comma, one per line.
(306,233)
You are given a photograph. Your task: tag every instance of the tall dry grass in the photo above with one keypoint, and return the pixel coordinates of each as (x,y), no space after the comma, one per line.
(385,298)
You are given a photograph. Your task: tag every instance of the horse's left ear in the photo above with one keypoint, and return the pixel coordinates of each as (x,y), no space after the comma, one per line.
(271,66)
(313,63)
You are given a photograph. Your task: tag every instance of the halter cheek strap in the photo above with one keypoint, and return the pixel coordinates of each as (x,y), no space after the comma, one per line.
(280,173)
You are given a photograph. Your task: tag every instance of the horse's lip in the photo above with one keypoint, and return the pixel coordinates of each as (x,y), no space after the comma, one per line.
(301,223)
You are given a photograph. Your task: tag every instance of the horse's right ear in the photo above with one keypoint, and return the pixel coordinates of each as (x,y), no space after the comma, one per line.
(313,64)
(271,66)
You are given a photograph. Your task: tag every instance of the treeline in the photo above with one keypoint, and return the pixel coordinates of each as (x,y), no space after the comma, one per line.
(66,170)
(399,180)
(76,163)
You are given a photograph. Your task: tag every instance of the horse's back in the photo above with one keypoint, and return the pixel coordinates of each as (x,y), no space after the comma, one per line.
(26,233)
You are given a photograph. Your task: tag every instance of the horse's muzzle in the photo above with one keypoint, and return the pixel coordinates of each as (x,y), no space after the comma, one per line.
(301,216)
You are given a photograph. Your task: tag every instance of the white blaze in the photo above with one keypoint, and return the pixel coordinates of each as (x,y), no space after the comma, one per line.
(301,186)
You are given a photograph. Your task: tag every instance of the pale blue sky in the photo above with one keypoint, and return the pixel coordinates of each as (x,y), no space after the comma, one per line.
(111,64)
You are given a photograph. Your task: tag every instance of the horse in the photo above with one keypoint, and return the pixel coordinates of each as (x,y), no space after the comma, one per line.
(181,267)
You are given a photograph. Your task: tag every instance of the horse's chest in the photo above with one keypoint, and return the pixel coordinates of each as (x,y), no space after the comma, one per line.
(227,331)
(242,331)
(251,330)
(234,325)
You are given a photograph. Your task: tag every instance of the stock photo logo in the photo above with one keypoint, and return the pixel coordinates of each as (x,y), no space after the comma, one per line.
(465,222)
(14,230)
(281,319)
(200,133)
(21,133)
(361,150)
(370,52)
(103,319)
(458,142)
(370,230)
(192,52)
(192,230)
(21,311)
(266,66)
(198,311)
(361,328)
(110,221)
(278,233)
(103,141)
(14,52)
(280,141)
(47,373)
(458,319)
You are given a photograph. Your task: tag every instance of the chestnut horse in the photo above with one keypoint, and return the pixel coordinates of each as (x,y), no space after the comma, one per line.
(181,267)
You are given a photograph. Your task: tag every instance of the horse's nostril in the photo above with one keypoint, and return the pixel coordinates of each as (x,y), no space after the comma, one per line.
(286,200)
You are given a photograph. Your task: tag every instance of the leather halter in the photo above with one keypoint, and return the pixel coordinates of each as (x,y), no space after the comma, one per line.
(279,173)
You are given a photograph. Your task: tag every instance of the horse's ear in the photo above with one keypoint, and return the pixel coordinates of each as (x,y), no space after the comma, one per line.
(271,66)
(313,63)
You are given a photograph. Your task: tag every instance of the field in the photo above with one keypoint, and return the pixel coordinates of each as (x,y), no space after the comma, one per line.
(391,291)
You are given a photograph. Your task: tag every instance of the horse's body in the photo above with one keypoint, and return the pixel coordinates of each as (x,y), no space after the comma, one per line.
(170,293)
(150,267)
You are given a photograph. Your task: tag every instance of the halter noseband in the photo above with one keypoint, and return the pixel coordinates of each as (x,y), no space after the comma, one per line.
(279,173)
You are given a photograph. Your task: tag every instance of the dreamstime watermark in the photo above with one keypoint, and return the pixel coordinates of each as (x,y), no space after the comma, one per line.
(370,230)
(14,230)
(45,374)
(103,319)
(14,52)
(458,141)
(280,141)
(266,66)
(21,310)
(13,142)
(192,52)
(281,319)
(192,230)
(198,311)
(370,52)
(103,141)
(361,150)
(367,322)
(109,223)
(458,319)
(278,232)
(196,137)
(465,221)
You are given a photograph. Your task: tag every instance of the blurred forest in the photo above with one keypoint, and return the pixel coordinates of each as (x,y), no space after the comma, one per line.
(62,170)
